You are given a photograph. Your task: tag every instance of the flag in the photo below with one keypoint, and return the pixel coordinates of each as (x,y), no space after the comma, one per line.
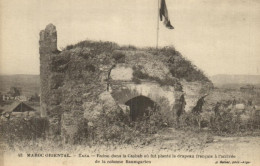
(164,13)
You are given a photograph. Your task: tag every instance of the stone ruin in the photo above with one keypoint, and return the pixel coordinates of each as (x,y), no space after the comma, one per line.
(81,82)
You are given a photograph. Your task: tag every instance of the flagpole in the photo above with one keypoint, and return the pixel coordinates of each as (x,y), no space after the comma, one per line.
(158,25)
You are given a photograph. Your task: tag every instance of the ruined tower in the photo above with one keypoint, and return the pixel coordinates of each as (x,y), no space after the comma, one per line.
(48,47)
(90,80)
(49,103)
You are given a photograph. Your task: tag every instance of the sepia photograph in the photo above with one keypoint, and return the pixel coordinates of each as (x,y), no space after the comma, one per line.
(129,82)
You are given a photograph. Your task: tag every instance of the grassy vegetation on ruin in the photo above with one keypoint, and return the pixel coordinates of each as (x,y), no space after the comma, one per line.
(178,65)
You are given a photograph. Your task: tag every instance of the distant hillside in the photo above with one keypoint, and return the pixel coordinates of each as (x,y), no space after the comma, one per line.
(235,80)
(30,84)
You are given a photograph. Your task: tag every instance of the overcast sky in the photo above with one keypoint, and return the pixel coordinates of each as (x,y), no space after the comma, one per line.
(219,36)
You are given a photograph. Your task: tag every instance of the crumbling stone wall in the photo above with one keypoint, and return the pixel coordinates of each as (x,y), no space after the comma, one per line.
(48,45)
(72,81)
(49,96)
(78,84)
(193,91)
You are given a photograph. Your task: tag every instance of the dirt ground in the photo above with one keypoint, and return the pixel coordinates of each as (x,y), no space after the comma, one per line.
(170,147)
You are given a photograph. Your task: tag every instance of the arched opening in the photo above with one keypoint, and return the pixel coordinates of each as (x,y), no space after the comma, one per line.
(140,106)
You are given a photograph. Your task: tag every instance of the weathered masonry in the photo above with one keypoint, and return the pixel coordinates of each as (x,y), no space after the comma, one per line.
(90,78)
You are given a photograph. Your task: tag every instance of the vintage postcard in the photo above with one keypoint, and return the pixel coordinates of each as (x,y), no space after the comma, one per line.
(129,82)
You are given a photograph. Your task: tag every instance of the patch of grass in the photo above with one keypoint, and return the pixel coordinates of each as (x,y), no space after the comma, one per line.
(116,128)
(184,69)
(20,129)
(96,47)
(93,44)
(138,74)
(179,66)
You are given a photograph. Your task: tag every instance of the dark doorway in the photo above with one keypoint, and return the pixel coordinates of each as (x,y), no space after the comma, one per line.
(140,107)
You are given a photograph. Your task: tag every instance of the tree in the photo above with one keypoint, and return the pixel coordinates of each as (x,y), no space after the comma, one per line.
(197,110)
(14,91)
(35,98)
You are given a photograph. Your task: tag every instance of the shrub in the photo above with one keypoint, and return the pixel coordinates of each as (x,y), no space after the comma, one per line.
(128,47)
(112,127)
(188,121)
(116,128)
(150,124)
(226,123)
(255,120)
(22,129)
(119,57)
(136,80)
(137,73)
(228,120)
(69,47)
